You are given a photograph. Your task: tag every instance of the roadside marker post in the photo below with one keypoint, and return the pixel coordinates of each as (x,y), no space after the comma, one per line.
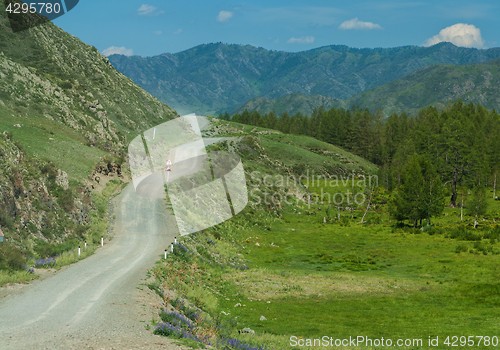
(168,170)
(85,245)
(172,248)
(102,241)
(165,254)
(175,240)
(78,250)
(154,133)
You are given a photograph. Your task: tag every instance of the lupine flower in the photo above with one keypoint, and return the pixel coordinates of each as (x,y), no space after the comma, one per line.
(181,246)
(48,262)
(29,269)
(237,344)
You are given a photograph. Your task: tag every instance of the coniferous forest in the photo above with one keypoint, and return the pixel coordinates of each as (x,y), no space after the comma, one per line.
(460,142)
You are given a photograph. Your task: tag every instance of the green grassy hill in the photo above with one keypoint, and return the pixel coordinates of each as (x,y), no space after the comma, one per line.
(66,116)
(299,264)
(47,73)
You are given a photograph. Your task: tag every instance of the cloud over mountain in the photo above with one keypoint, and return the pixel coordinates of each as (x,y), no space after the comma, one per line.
(117,50)
(460,34)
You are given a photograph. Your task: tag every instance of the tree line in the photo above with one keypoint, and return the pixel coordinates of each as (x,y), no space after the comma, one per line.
(459,143)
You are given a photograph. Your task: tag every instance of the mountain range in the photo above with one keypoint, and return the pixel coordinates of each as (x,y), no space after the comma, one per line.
(436,85)
(213,78)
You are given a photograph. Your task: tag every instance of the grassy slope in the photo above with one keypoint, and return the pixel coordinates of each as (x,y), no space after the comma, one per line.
(341,278)
(73,108)
(67,149)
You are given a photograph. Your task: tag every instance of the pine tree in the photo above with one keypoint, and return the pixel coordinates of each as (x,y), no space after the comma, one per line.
(477,205)
(421,193)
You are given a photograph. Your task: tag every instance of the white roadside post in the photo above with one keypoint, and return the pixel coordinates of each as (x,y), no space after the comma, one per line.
(165,254)
(78,250)
(168,170)
(85,245)
(175,240)
(102,241)
(154,133)
(172,248)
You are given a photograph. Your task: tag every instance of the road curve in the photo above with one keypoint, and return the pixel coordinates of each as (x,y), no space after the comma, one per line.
(152,186)
(94,301)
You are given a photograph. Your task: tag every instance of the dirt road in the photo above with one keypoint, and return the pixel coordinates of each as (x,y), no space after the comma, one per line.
(96,303)
(99,302)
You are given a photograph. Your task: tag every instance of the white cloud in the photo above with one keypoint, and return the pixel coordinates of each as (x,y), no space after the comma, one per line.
(356,24)
(148,10)
(224,16)
(178,31)
(117,50)
(460,34)
(301,40)
(157,32)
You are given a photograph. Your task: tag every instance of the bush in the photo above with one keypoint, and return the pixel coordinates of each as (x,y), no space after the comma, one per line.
(11,258)
(45,250)
(463,234)
(65,199)
(493,234)
(461,248)
(6,220)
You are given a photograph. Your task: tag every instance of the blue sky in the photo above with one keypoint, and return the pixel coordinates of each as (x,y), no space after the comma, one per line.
(153,27)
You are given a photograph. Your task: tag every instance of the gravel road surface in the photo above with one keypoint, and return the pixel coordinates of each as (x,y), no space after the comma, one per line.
(100,302)
(96,303)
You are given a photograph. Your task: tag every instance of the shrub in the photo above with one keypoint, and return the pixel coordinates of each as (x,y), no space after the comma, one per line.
(463,234)
(66,200)
(11,257)
(461,248)
(45,250)
(6,220)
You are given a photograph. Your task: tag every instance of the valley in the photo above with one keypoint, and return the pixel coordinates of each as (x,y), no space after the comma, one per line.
(359,186)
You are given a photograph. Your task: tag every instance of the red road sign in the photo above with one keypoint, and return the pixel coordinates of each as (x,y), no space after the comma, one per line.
(169,162)
(168,169)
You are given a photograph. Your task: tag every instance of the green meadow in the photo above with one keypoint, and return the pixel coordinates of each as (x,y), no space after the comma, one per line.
(344,279)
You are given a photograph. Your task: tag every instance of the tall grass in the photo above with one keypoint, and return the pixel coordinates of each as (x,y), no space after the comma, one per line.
(9,277)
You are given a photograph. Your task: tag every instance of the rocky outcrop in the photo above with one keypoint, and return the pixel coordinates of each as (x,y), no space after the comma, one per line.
(108,169)
(29,203)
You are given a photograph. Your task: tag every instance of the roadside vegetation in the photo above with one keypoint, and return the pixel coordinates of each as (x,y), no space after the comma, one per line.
(310,266)
(45,214)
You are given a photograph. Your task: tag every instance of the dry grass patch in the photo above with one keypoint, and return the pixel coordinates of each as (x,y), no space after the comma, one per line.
(261,284)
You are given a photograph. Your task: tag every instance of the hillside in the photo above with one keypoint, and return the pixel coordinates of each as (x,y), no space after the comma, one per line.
(437,86)
(293,103)
(47,73)
(65,117)
(218,77)
(299,260)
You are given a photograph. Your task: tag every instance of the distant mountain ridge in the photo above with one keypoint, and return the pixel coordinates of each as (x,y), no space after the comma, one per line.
(437,85)
(217,77)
